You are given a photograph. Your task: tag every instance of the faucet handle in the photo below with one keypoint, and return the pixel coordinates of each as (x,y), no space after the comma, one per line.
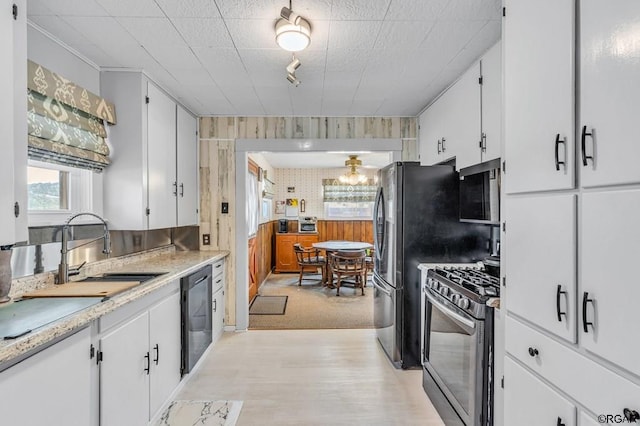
(76,270)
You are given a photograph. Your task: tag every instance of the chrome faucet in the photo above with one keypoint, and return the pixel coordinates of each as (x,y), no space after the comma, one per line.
(63,268)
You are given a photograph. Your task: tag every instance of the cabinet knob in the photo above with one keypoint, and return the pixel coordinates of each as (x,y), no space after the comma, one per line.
(533,352)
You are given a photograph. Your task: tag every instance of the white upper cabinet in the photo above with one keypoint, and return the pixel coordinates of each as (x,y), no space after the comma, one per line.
(462,131)
(609,93)
(161,146)
(13,121)
(610,291)
(152,179)
(491,70)
(541,271)
(187,167)
(538,42)
(431,128)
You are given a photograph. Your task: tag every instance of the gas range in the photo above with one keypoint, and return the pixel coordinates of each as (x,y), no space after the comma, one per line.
(468,288)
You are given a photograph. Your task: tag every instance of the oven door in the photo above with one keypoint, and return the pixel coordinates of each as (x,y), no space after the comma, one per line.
(454,355)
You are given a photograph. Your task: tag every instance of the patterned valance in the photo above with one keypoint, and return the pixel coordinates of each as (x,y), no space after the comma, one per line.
(65,121)
(336,191)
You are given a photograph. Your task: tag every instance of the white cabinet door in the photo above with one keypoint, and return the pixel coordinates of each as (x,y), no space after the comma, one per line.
(609,92)
(491,64)
(538,42)
(609,276)
(20,122)
(431,122)
(7,233)
(124,374)
(462,131)
(187,168)
(588,420)
(218,314)
(164,344)
(541,271)
(161,153)
(528,401)
(53,387)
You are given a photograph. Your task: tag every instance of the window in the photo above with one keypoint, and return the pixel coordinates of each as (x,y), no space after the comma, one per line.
(48,189)
(348,201)
(55,192)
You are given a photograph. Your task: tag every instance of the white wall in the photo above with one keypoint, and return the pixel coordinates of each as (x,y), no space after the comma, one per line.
(51,54)
(308,186)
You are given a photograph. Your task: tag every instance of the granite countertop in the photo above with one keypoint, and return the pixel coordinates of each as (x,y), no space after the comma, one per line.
(173,264)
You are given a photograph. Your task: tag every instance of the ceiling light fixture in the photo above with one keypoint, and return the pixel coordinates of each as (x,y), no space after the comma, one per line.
(293,32)
(291,71)
(352,177)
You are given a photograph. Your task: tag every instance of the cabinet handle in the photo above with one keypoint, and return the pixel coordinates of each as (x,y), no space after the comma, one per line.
(215,305)
(631,415)
(483,143)
(157,349)
(148,367)
(182,190)
(560,423)
(175,188)
(439,143)
(533,352)
(585,323)
(558,142)
(585,157)
(443,148)
(559,292)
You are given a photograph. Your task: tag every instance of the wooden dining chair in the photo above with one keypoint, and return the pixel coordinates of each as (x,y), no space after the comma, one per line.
(368,261)
(309,258)
(349,264)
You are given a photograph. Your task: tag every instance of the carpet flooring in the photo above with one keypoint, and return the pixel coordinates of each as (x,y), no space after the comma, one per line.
(312,306)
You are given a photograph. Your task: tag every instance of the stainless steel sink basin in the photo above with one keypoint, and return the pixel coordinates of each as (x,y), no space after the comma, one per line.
(124,276)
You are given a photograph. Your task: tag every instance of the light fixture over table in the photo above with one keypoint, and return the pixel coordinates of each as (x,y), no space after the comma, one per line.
(352,177)
(293,32)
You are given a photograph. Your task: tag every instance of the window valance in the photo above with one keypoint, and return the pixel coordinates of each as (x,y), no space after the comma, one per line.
(65,121)
(336,191)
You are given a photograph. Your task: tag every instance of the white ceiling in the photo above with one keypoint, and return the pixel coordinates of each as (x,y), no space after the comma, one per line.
(219,57)
(324,160)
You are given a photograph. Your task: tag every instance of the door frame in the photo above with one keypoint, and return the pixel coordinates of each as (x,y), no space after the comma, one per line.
(242,148)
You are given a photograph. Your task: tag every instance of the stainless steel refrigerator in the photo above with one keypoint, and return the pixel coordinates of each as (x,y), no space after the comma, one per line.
(416,220)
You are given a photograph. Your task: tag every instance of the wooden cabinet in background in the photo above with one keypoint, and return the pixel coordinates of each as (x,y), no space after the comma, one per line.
(285,257)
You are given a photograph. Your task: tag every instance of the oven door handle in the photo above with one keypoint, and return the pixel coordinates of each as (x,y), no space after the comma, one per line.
(453,315)
(382,289)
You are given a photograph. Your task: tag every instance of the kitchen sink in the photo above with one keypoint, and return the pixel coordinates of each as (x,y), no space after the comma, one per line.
(124,276)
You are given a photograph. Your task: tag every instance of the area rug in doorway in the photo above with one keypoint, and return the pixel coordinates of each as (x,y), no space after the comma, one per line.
(268,305)
(206,413)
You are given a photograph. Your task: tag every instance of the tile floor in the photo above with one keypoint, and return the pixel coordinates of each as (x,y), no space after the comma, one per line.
(310,377)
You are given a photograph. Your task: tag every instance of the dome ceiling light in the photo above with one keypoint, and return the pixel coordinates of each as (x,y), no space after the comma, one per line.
(293,32)
(352,177)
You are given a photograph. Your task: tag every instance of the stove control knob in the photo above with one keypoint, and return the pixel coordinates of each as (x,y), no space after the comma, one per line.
(444,291)
(434,285)
(455,298)
(463,303)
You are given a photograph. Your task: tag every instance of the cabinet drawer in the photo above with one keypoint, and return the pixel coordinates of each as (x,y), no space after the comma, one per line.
(586,381)
(218,268)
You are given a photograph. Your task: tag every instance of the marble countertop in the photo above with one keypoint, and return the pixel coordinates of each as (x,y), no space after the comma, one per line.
(173,264)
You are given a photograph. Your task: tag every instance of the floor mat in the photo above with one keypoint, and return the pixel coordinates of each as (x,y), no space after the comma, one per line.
(206,413)
(268,305)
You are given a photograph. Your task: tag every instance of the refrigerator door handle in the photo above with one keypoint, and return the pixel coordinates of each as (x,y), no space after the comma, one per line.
(379,242)
(379,287)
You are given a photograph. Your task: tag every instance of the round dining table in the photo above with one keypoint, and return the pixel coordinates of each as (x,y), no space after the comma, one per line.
(337,245)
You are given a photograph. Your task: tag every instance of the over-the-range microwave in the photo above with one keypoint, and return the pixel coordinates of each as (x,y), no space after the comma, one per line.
(480,193)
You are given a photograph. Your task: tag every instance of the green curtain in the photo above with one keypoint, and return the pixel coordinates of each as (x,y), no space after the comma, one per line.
(335,191)
(66,122)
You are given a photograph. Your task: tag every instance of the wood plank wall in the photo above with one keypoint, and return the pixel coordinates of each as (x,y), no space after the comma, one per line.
(347,230)
(265,247)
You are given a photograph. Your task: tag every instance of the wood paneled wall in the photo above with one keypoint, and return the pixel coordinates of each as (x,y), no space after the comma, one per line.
(348,230)
(265,247)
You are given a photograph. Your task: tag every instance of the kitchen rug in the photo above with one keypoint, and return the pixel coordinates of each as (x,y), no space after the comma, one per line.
(268,305)
(205,413)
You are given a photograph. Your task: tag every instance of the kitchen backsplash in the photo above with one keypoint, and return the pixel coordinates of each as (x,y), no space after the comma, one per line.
(307,186)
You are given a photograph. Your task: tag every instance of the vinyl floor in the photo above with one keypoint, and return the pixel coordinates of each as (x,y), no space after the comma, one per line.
(310,377)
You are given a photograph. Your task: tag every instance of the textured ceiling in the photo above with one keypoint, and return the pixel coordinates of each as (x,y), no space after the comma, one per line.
(219,57)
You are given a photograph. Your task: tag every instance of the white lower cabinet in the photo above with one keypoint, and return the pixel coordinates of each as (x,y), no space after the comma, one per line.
(51,387)
(140,364)
(219,277)
(531,402)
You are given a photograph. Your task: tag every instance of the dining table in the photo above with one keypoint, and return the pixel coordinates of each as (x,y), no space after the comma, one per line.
(334,246)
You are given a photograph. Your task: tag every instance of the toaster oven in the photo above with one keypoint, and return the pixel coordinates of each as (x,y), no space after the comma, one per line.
(307,224)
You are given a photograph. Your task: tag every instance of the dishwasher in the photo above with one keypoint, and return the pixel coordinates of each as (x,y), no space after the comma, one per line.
(196,307)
